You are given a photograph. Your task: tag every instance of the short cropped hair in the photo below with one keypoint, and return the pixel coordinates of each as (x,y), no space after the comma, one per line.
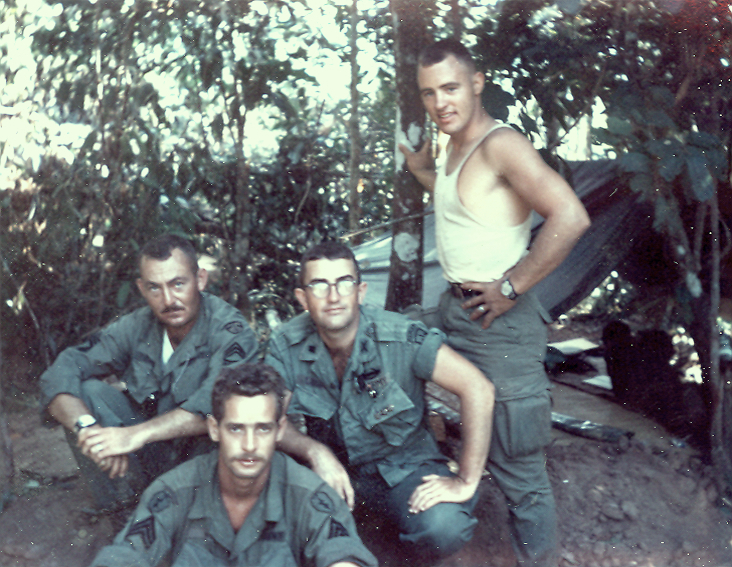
(330,250)
(247,380)
(162,247)
(441,50)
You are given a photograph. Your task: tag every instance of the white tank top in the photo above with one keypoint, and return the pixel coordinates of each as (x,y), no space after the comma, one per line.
(468,249)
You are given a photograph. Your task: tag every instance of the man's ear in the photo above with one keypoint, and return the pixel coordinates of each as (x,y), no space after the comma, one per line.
(202,279)
(281,425)
(213,428)
(138,281)
(362,292)
(478,83)
(302,297)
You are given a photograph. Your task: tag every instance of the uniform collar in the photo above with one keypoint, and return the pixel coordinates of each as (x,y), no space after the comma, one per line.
(152,344)
(265,514)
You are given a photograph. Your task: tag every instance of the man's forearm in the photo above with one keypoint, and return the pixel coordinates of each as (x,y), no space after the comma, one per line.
(476,414)
(66,409)
(299,446)
(170,425)
(426,178)
(552,245)
(456,374)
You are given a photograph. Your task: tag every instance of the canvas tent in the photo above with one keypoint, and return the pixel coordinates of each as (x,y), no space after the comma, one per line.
(619,221)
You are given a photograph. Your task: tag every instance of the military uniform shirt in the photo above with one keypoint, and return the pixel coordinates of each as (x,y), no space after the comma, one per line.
(131,348)
(379,409)
(298,521)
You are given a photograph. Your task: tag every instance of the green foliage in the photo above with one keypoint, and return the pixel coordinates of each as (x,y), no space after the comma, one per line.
(192,117)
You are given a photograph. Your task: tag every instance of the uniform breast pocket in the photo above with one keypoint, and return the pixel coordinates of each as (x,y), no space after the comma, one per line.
(270,554)
(386,409)
(315,402)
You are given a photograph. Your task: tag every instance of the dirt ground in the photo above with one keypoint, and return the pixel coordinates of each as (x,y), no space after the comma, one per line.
(649,504)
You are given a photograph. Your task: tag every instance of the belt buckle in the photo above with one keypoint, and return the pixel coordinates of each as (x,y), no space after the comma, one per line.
(458,291)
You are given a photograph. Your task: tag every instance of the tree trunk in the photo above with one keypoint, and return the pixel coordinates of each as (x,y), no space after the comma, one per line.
(405,272)
(354,165)
(7,468)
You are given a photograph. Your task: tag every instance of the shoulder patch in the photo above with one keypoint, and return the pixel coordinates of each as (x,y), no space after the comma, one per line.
(322,502)
(416,334)
(161,501)
(234,327)
(233,353)
(337,529)
(88,344)
(145,529)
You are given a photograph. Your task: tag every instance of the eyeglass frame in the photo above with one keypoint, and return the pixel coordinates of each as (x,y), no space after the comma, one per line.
(343,279)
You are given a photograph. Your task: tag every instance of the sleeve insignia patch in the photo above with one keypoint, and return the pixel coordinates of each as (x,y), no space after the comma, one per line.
(145,529)
(234,353)
(161,501)
(88,344)
(322,502)
(416,334)
(337,529)
(235,327)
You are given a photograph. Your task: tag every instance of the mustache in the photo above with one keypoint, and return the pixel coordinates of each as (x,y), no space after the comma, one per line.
(248,457)
(172,309)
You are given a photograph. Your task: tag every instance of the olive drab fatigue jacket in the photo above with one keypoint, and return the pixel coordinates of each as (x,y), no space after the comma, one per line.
(298,521)
(131,349)
(378,411)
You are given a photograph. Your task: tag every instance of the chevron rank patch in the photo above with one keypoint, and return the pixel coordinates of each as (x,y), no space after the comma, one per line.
(89,343)
(337,529)
(145,529)
(233,353)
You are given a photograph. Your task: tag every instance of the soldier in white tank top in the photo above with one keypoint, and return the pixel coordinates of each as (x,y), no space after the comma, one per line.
(483,214)
(470,250)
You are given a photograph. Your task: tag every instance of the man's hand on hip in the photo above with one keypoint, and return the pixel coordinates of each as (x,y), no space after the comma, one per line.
(491,303)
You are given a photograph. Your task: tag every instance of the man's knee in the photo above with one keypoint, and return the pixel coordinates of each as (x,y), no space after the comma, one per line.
(442,530)
(110,407)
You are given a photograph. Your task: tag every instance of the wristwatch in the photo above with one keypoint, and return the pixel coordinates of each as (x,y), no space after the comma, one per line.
(85,420)
(508,291)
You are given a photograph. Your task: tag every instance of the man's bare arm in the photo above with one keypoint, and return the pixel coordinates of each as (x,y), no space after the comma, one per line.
(545,191)
(100,443)
(457,375)
(318,456)
(111,441)
(66,409)
(421,164)
(548,194)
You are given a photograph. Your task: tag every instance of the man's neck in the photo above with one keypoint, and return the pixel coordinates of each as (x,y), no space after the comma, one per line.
(478,126)
(240,495)
(177,334)
(340,346)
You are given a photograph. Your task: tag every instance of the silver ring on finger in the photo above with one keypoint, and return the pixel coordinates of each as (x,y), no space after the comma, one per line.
(481,308)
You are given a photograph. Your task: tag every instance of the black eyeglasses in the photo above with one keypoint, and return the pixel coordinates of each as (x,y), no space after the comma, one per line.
(321,289)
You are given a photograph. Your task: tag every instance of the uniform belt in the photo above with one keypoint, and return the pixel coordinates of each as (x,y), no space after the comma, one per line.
(461,293)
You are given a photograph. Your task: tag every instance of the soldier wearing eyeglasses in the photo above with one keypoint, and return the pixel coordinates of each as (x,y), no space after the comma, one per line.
(357,374)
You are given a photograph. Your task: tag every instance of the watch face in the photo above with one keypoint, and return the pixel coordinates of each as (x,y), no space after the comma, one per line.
(506,288)
(85,421)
